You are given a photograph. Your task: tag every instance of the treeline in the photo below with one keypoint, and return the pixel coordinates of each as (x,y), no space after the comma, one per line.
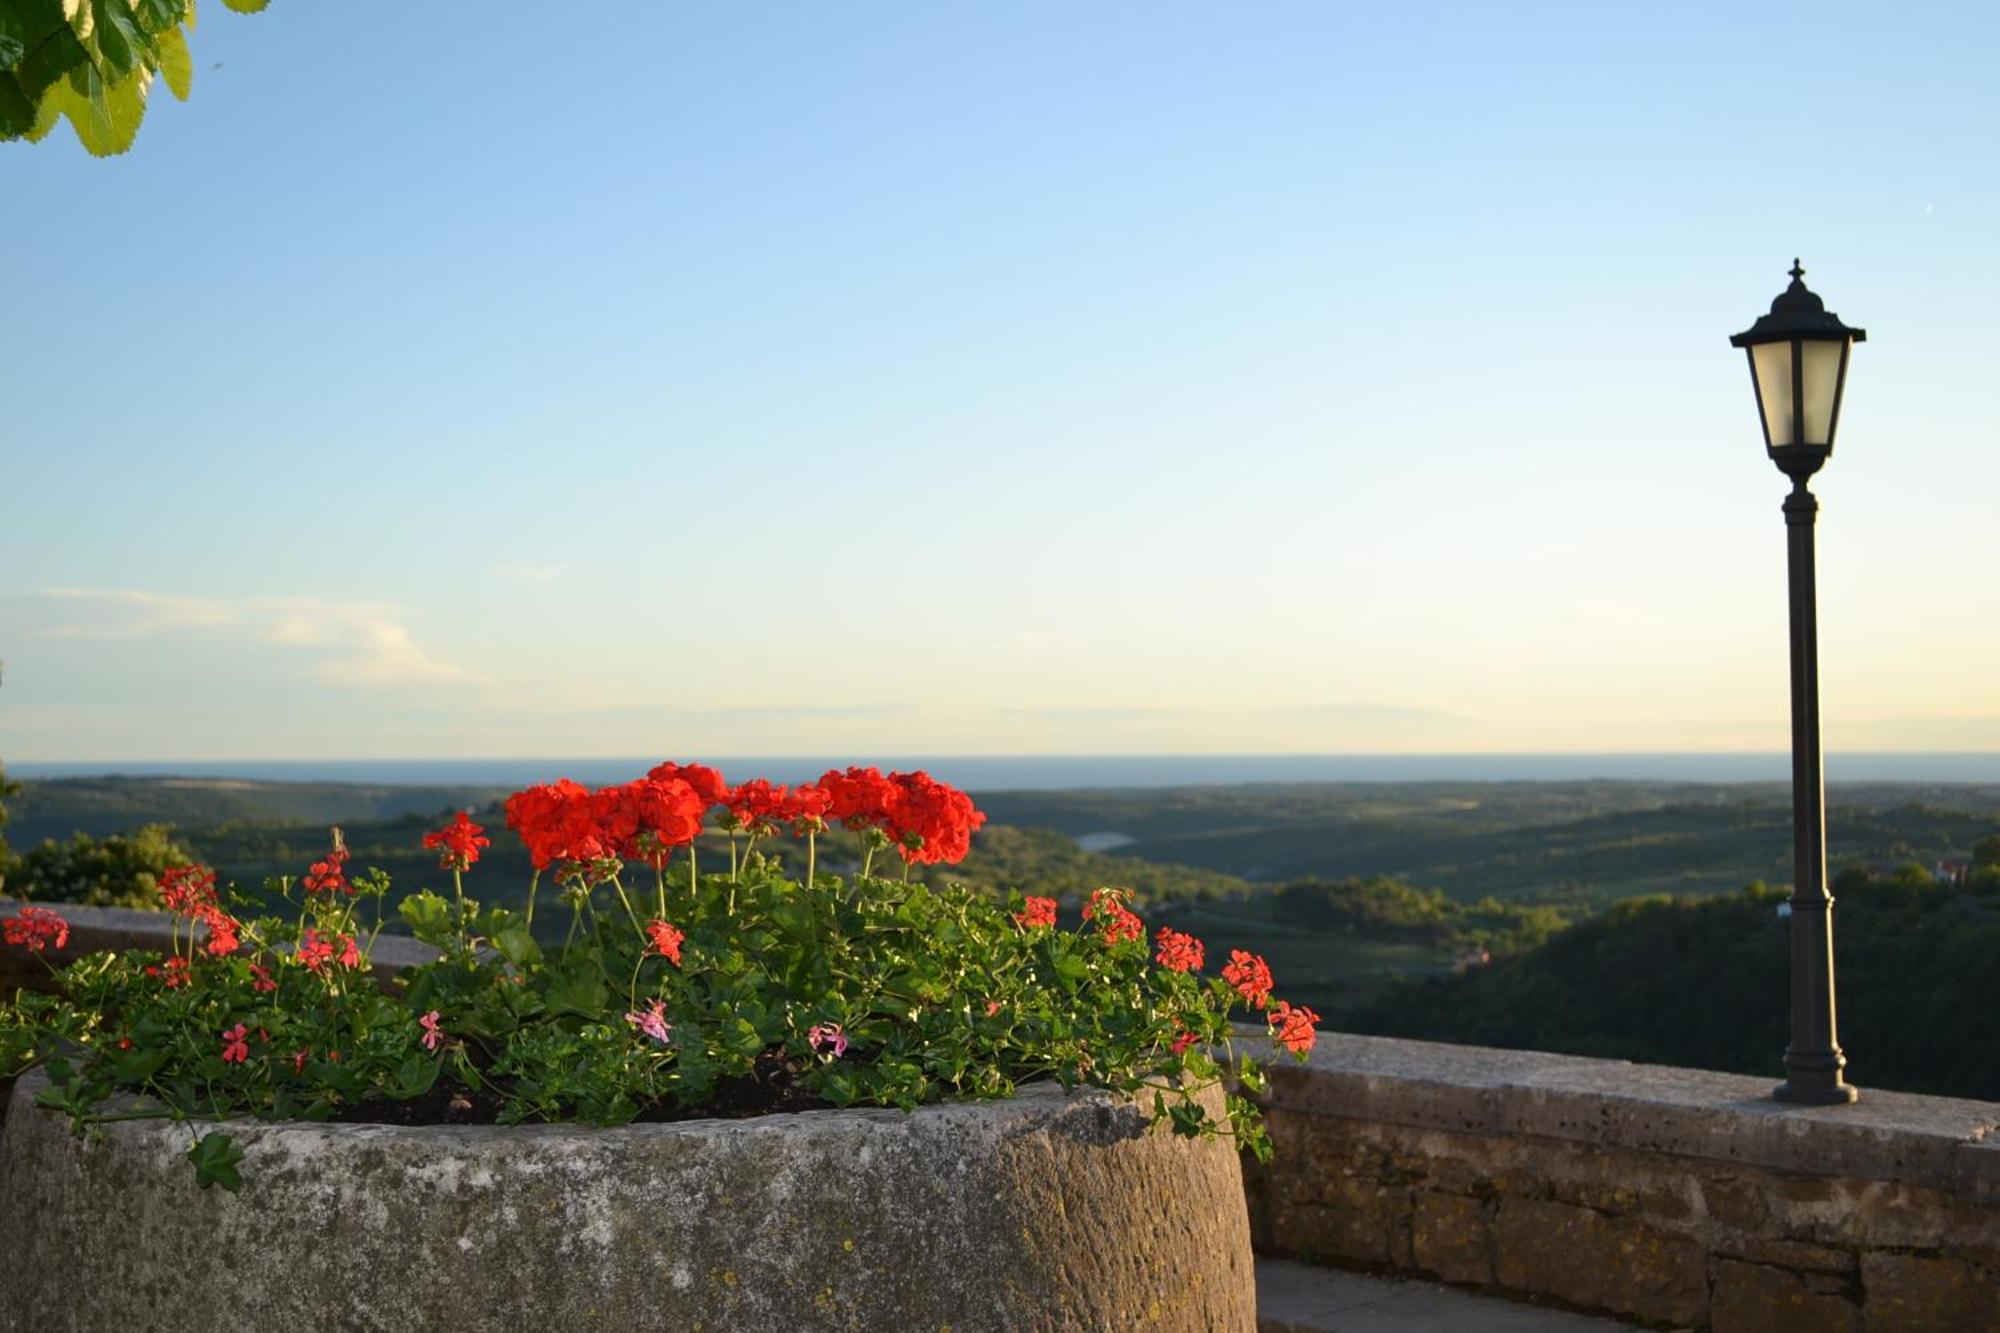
(1705,984)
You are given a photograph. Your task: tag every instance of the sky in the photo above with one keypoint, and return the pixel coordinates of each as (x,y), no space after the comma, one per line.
(990,379)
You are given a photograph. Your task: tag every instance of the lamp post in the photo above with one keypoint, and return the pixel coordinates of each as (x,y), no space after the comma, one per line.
(1798,364)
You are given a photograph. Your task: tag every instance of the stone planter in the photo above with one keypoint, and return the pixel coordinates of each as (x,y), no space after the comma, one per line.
(1044,1212)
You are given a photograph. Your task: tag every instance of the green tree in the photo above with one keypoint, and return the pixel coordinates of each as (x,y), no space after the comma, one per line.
(118,871)
(92,63)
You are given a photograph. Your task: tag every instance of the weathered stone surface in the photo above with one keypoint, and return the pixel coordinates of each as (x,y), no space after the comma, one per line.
(1936,1142)
(1587,1259)
(1909,1293)
(1046,1212)
(1757,1298)
(1797,1255)
(1451,1236)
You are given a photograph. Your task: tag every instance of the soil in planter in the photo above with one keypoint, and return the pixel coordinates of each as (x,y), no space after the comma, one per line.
(768,1090)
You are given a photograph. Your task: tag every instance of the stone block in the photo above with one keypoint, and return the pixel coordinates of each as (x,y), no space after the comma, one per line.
(1758,1298)
(1588,1259)
(1797,1255)
(1451,1235)
(1913,1293)
(1739,1202)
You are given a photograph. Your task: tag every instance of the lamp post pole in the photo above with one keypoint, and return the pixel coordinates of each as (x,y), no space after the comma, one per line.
(1813,1061)
(1798,366)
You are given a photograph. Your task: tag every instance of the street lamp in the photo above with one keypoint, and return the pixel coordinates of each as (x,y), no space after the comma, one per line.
(1798,364)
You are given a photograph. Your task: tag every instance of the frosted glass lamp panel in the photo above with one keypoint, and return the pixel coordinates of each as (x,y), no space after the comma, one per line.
(1773,363)
(1822,388)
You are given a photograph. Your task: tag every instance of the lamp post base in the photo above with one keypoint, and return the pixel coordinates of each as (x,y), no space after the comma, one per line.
(1816,1094)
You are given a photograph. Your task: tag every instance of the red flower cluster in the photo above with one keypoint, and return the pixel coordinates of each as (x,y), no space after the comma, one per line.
(317,950)
(558,822)
(566,822)
(927,820)
(458,843)
(932,822)
(1293,1028)
(35,929)
(1250,975)
(235,1046)
(706,782)
(858,798)
(1036,912)
(174,972)
(186,888)
(1115,920)
(330,875)
(666,941)
(647,819)
(1179,951)
(189,891)
(1185,1040)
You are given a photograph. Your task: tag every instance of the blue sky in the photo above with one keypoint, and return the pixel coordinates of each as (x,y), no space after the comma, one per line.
(987,379)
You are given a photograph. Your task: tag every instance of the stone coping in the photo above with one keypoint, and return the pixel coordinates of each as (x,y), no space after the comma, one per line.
(1938,1142)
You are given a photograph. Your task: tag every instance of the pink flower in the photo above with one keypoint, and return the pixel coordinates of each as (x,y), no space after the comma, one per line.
(235,1050)
(429,1023)
(653,1022)
(828,1034)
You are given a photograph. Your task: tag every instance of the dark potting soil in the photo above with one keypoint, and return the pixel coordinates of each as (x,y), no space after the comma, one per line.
(769,1089)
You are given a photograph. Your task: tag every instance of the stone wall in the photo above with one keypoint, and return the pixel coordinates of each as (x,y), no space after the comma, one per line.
(1679,1198)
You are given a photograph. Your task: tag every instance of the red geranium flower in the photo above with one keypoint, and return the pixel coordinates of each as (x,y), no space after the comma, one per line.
(1036,912)
(756,804)
(330,875)
(807,805)
(174,972)
(647,819)
(932,822)
(1293,1028)
(260,978)
(223,930)
(557,822)
(1116,921)
(235,1050)
(185,888)
(1185,1040)
(458,843)
(666,941)
(859,798)
(1179,951)
(1250,975)
(35,929)
(706,782)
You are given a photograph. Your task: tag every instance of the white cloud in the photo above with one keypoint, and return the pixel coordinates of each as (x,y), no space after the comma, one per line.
(368,642)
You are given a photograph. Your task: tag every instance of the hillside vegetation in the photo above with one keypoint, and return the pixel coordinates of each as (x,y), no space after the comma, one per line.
(1704,983)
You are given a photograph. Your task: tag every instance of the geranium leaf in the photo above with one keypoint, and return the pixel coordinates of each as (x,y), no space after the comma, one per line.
(215,1158)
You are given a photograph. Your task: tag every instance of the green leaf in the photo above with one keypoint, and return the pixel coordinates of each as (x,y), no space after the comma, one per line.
(246,6)
(429,918)
(578,992)
(517,946)
(105,116)
(175,65)
(215,1158)
(415,1076)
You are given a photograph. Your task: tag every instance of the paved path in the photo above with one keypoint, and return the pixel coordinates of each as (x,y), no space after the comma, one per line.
(1299,1298)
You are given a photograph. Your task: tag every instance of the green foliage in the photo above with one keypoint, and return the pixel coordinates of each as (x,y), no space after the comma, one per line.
(862,991)
(116,871)
(93,63)
(1705,984)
